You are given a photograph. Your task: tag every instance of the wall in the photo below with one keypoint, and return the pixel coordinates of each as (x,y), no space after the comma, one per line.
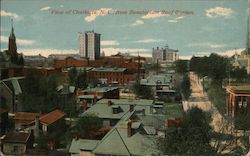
(8,148)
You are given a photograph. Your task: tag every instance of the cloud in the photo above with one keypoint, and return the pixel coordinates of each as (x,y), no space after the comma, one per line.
(172,21)
(149,40)
(227,53)
(45,8)
(19,41)
(111,51)
(219,11)
(154,14)
(180,17)
(10,14)
(46,52)
(137,22)
(95,13)
(109,42)
(206,44)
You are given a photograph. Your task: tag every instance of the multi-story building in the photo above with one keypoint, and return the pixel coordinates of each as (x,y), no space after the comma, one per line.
(164,55)
(89,45)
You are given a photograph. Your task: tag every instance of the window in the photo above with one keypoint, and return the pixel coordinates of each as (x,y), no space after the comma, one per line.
(15,149)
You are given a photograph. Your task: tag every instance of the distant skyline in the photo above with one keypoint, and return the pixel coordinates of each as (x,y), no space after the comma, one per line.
(193,27)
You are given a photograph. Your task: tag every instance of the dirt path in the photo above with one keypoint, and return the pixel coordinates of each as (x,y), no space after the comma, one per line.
(200,99)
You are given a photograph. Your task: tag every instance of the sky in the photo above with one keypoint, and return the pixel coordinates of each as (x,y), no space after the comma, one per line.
(196,27)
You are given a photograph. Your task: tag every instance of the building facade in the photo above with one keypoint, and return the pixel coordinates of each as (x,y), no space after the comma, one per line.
(164,55)
(89,45)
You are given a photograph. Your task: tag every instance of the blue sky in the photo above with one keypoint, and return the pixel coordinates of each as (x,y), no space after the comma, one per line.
(192,27)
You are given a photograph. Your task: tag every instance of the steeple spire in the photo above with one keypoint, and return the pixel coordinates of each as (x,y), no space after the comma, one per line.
(12,35)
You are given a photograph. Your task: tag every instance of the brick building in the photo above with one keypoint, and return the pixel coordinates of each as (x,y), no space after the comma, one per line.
(112,75)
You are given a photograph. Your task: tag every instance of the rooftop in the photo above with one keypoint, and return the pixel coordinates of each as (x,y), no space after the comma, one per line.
(52,117)
(106,69)
(82,144)
(174,110)
(100,89)
(239,88)
(16,137)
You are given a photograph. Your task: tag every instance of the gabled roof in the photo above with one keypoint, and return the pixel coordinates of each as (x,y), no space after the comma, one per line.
(117,142)
(52,117)
(82,144)
(112,144)
(14,84)
(16,137)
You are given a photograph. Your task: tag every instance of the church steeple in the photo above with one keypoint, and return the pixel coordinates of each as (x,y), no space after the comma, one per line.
(12,45)
(12,35)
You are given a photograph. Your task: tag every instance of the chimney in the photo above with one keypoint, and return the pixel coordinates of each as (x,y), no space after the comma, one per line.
(131,108)
(110,103)
(129,128)
(84,105)
(143,112)
(36,131)
(95,100)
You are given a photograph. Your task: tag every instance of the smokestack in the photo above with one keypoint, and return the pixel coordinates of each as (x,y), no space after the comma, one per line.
(36,131)
(131,108)
(129,128)
(109,103)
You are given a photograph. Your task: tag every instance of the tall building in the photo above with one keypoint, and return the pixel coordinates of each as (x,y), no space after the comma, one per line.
(164,55)
(89,45)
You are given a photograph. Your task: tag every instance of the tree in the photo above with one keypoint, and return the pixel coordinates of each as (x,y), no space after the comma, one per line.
(143,91)
(87,125)
(181,66)
(40,93)
(81,80)
(239,74)
(185,87)
(191,138)
(72,74)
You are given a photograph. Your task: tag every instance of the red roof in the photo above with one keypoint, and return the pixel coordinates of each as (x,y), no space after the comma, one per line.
(16,137)
(52,117)
(25,117)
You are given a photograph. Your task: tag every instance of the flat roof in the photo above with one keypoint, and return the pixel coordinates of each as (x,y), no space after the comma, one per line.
(100,89)
(241,88)
(106,69)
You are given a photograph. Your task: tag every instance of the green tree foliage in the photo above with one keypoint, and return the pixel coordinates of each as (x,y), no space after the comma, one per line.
(72,74)
(239,74)
(181,66)
(81,80)
(185,87)
(242,121)
(143,91)
(87,125)
(214,66)
(191,138)
(78,79)
(40,93)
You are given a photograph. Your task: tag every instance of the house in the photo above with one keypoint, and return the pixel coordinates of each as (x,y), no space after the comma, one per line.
(3,121)
(51,121)
(162,85)
(10,91)
(134,134)
(238,99)
(25,120)
(82,147)
(112,75)
(17,143)
(113,110)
